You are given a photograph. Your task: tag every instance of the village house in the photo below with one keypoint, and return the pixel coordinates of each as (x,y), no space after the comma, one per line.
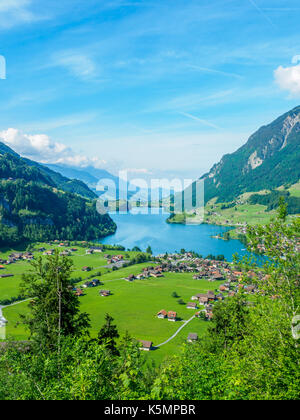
(218,276)
(209,315)
(89,251)
(79,292)
(191,305)
(64,253)
(86,268)
(131,277)
(91,283)
(202,298)
(49,252)
(172,316)
(104,293)
(192,337)
(156,274)
(162,314)
(96,248)
(146,345)
(210,295)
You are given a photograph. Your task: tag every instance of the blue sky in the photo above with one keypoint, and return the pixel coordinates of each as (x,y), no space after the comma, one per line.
(160,87)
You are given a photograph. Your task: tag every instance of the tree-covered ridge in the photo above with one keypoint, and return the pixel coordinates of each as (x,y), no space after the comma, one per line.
(35,212)
(36,205)
(14,166)
(271,200)
(269,159)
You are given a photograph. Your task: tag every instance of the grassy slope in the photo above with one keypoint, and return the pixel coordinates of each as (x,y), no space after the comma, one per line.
(241,212)
(132,305)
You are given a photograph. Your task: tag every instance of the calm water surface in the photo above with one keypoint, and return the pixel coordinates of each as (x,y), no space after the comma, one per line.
(151,229)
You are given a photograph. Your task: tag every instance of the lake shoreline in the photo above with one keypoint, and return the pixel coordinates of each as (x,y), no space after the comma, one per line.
(143,230)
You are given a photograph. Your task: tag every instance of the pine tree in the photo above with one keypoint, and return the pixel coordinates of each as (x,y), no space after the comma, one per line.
(108,334)
(54,308)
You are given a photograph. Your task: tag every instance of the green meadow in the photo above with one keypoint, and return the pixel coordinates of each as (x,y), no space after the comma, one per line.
(133,305)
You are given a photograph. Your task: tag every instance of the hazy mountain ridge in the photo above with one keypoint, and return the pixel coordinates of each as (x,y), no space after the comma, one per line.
(96,179)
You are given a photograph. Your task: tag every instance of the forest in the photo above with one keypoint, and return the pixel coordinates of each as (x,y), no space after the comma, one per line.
(34,206)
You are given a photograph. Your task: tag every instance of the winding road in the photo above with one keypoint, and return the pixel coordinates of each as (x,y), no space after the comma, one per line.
(178,331)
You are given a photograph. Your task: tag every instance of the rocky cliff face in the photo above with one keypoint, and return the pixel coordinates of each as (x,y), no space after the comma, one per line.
(270,158)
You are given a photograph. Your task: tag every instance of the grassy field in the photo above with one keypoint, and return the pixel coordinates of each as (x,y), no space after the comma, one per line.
(133,305)
(9,287)
(240,212)
(295,190)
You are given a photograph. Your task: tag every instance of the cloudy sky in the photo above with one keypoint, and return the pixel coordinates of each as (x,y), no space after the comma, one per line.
(153,86)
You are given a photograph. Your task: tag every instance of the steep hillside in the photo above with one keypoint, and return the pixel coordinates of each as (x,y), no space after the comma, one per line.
(53,178)
(34,206)
(269,159)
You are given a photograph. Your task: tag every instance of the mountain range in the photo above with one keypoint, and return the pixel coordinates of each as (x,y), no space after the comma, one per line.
(96,179)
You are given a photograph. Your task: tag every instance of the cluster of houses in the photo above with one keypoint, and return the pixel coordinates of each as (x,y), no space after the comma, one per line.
(64,253)
(13,258)
(17,256)
(146,273)
(212,270)
(91,283)
(113,258)
(171,315)
(94,249)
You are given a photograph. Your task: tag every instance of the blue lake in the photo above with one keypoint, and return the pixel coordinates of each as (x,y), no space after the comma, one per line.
(151,229)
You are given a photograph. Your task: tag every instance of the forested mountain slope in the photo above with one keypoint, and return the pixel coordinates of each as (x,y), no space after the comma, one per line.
(53,178)
(35,204)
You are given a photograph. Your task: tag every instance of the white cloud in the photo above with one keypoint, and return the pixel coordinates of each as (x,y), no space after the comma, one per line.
(200,120)
(214,71)
(15,12)
(288,78)
(41,148)
(77,63)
